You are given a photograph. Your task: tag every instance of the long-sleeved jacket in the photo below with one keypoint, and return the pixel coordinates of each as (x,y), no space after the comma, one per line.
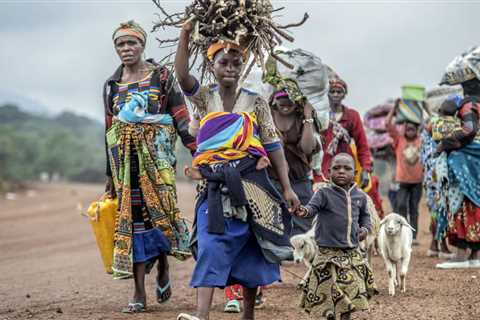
(170,100)
(340,215)
(352,122)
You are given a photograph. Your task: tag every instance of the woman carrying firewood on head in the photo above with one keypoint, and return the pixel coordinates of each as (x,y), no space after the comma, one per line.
(241,224)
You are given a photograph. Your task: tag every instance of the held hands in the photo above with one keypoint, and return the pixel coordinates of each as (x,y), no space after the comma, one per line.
(301,212)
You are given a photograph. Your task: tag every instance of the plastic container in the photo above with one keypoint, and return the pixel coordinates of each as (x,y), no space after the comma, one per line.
(413,92)
(410,110)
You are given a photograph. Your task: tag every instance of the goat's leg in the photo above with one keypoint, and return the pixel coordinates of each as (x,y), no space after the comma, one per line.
(369,255)
(403,272)
(391,276)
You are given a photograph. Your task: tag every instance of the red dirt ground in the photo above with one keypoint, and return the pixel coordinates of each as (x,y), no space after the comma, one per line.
(50,269)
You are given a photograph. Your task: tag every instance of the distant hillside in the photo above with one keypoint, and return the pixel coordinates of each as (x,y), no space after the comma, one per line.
(24,103)
(67,145)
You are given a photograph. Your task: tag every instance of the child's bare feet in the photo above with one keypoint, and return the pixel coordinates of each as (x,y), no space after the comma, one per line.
(192,173)
(263,163)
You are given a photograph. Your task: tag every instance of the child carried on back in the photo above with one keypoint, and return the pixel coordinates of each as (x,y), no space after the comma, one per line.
(340,281)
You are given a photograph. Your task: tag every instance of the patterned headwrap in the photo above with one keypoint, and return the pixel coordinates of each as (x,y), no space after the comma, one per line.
(219,45)
(130,28)
(338,83)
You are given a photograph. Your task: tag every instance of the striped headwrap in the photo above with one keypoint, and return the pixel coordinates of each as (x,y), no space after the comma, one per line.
(225,136)
(130,28)
(338,83)
(225,45)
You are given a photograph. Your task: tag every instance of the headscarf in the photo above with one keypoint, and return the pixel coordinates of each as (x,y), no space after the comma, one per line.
(130,28)
(339,83)
(219,45)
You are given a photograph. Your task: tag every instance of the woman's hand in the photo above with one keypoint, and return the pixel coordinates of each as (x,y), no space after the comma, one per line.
(364,179)
(292,200)
(187,27)
(110,188)
(262,163)
(308,110)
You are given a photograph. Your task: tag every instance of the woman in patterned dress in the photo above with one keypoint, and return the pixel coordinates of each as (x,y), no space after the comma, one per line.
(144,112)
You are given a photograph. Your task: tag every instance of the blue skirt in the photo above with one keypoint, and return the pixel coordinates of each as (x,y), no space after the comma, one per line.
(148,244)
(230,258)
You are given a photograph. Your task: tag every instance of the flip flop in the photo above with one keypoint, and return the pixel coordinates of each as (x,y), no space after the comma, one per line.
(134,307)
(232,306)
(164,293)
(184,316)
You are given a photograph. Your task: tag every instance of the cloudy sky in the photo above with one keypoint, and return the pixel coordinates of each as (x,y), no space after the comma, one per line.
(59,52)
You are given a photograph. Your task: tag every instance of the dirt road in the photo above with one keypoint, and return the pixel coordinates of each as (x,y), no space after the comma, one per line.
(50,269)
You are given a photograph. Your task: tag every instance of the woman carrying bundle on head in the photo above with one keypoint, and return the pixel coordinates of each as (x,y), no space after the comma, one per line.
(144,112)
(241,230)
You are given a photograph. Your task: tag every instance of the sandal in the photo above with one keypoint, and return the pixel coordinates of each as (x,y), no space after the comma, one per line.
(184,316)
(164,293)
(232,306)
(134,307)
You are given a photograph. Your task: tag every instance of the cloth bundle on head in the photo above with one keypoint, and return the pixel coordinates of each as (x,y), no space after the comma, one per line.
(339,84)
(463,68)
(130,28)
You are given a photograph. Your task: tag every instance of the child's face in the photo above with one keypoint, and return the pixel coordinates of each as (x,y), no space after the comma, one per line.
(342,171)
(411,130)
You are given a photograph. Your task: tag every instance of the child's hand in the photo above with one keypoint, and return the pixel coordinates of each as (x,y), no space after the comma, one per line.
(192,173)
(263,163)
(362,234)
(301,212)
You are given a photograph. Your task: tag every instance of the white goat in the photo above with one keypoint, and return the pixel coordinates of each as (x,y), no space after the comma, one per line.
(395,244)
(305,249)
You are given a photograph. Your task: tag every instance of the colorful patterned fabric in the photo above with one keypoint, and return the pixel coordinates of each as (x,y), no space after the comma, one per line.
(464,169)
(444,126)
(154,146)
(164,97)
(225,136)
(465,225)
(340,281)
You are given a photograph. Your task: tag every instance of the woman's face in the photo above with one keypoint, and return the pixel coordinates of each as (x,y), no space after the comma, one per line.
(336,95)
(285,106)
(129,49)
(227,67)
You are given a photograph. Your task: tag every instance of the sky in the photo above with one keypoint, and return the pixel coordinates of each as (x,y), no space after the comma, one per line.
(59,53)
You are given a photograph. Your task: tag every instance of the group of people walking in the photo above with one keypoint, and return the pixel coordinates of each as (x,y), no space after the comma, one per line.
(252,159)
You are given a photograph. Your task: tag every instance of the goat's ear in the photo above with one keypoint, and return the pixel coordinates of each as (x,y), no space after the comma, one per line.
(383,220)
(406,224)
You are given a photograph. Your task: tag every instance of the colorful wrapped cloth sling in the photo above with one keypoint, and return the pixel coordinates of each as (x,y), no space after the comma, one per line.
(227,136)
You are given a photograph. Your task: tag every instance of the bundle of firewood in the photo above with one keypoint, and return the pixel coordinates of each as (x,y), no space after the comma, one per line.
(248,23)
